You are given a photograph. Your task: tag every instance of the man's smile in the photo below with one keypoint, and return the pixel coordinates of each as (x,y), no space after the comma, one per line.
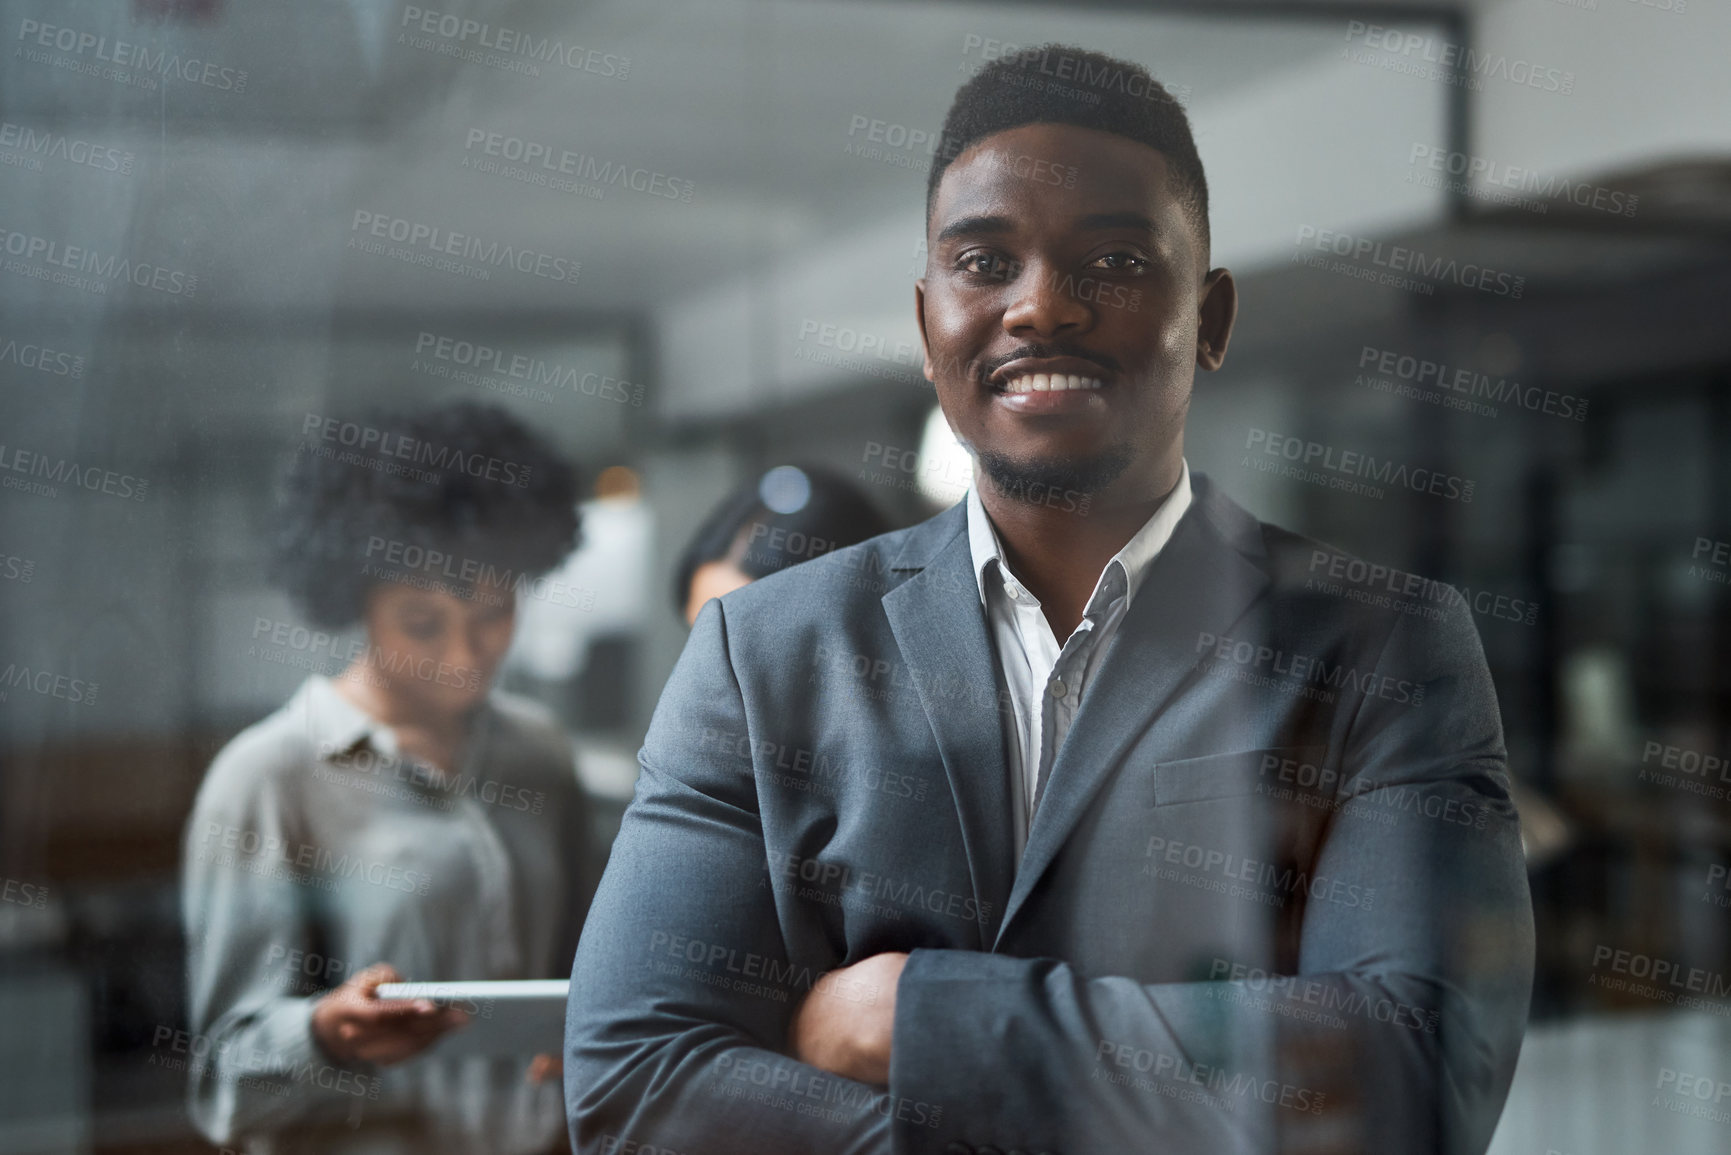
(1048,385)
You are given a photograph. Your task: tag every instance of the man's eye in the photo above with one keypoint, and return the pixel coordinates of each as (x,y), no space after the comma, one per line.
(1121,262)
(985,265)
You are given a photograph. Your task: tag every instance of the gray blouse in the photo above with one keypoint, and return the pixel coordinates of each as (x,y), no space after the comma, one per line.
(315,849)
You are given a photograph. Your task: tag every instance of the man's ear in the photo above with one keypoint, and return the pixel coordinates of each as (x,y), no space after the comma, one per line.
(1216,312)
(920,320)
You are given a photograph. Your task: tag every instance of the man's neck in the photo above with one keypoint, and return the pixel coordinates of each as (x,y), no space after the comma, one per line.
(1059,553)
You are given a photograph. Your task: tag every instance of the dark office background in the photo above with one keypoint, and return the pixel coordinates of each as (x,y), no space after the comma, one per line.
(753,317)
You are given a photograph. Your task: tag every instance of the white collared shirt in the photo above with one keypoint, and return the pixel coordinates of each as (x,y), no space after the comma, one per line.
(314,836)
(1046,681)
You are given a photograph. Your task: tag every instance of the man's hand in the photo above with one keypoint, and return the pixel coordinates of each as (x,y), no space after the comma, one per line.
(845,1026)
(353,1024)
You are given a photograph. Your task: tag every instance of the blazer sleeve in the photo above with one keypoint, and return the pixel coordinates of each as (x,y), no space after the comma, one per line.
(680,993)
(1399,1032)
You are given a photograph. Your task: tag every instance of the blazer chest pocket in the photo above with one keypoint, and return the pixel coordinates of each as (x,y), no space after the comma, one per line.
(1276,769)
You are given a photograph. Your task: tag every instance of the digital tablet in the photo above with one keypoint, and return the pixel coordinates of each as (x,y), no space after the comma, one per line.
(505,1018)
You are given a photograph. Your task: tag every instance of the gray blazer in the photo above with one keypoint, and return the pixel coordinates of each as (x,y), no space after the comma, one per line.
(1273,896)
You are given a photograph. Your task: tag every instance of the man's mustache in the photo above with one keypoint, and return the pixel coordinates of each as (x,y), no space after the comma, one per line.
(1048,349)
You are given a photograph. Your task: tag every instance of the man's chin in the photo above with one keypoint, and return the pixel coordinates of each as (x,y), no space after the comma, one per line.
(1036,479)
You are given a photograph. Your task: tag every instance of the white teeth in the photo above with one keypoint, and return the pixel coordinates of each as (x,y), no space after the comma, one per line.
(1049,383)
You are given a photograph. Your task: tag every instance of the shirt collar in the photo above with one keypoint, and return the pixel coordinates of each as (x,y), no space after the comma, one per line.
(334,724)
(337,726)
(1135,558)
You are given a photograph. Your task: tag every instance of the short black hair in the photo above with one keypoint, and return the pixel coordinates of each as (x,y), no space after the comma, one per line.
(436,498)
(745,529)
(1093,90)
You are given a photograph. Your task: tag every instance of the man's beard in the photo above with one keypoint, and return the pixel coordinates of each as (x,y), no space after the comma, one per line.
(1038,481)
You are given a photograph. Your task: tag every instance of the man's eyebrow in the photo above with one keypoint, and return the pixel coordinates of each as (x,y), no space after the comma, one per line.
(1124,220)
(974,226)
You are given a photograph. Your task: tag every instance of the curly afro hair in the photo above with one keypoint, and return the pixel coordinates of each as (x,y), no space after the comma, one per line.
(1101,92)
(438,498)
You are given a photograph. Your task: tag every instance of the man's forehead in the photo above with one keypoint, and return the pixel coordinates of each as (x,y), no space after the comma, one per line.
(1107,155)
(1092,170)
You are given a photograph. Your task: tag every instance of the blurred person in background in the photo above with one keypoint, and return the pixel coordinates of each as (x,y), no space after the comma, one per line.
(396,821)
(788,515)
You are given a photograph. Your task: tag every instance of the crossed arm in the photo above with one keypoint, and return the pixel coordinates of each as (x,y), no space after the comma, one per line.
(666,1045)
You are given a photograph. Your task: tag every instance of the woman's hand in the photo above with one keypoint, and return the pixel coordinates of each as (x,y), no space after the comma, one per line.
(353,1024)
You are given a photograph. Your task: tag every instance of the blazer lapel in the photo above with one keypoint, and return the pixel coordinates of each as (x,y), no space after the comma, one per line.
(940,627)
(1202,582)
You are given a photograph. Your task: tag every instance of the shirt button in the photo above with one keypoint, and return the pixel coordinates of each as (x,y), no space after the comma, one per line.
(1011,589)
(1058,689)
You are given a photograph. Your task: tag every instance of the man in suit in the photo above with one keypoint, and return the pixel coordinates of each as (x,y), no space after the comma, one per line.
(1091,815)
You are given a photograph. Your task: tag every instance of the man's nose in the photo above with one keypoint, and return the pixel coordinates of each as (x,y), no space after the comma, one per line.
(1044,304)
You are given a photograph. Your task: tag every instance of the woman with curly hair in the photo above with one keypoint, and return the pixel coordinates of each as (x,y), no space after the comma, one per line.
(397,820)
